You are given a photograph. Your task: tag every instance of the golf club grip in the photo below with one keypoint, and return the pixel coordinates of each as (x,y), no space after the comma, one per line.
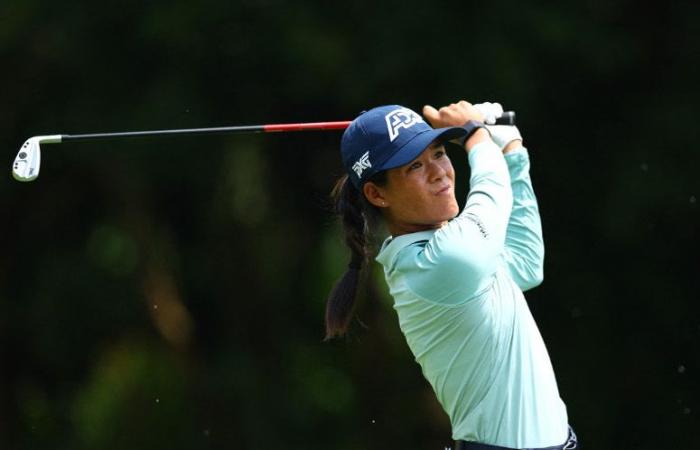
(508,118)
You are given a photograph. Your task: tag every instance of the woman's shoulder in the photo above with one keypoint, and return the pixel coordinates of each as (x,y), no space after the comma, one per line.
(400,246)
(445,279)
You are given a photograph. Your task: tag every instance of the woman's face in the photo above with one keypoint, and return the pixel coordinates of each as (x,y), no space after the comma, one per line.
(419,195)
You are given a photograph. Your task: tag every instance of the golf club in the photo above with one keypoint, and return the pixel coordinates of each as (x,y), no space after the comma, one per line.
(28,160)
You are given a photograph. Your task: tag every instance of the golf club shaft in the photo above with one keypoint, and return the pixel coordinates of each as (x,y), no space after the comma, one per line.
(246,129)
(508,118)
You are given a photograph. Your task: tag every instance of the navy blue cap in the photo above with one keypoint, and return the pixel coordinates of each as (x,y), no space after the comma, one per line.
(386,137)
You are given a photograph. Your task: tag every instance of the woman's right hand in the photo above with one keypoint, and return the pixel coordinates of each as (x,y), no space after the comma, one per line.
(454,115)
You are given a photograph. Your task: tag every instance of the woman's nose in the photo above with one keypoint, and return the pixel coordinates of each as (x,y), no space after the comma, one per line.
(437,172)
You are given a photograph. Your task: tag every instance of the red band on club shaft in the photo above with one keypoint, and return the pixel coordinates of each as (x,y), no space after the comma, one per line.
(305,126)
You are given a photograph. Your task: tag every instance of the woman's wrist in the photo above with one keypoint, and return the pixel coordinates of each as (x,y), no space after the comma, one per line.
(479,136)
(512,145)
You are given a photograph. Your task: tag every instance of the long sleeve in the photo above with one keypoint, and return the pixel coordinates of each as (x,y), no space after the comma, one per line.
(490,195)
(524,247)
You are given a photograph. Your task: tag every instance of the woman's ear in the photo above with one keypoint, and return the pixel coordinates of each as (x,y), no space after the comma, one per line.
(375,195)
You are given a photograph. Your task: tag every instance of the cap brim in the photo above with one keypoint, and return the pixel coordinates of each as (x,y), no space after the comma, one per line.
(413,148)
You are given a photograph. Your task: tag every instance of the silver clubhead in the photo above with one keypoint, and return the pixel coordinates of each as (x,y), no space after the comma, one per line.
(28,160)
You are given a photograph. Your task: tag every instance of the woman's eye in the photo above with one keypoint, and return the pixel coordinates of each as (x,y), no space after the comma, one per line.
(414,166)
(439,154)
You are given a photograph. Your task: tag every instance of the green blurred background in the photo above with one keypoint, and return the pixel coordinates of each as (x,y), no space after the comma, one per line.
(169,293)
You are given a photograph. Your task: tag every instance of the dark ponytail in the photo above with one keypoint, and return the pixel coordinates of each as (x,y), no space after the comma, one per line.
(357,216)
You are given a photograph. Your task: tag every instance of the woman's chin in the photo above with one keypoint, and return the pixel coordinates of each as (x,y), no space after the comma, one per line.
(452,211)
(447,215)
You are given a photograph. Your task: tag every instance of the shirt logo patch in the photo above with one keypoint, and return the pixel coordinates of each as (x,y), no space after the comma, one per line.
(362,164)
(400,118)
(477,221)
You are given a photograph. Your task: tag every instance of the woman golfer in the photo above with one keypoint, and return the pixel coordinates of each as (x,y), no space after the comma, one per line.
(457,279)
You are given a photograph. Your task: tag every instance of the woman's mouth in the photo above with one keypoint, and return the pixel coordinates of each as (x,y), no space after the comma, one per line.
(446,190)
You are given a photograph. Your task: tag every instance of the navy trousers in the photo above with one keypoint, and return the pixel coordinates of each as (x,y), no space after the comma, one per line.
(570,444)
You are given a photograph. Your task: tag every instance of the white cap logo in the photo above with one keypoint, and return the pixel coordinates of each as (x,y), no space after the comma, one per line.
(362,164)
(400,118)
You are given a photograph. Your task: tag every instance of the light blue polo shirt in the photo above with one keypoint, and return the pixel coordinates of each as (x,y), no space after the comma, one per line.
(458,295)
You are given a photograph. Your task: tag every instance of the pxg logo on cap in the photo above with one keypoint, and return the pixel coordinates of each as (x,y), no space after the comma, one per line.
(362,164)
(387,137)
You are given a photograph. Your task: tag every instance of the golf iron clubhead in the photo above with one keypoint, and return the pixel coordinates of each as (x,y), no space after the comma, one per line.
(28,160)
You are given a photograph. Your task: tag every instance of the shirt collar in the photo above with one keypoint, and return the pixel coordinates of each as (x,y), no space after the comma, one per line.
(393,245)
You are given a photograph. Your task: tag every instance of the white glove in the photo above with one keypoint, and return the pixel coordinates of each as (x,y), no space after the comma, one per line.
(491,111)
(502,135)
